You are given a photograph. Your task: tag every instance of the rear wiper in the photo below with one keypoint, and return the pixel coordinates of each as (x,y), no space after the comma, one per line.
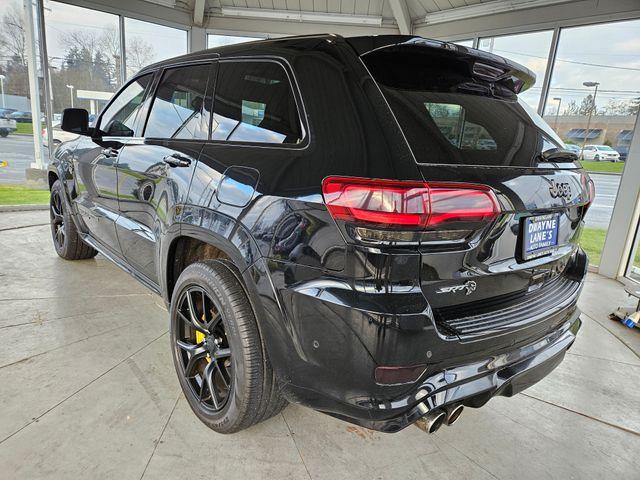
(558,154)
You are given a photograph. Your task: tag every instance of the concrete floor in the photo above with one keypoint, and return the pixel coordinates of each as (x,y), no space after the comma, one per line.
(88,391)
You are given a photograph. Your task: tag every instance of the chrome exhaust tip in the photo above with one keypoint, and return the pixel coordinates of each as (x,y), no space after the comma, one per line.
(432,421)
(453,414)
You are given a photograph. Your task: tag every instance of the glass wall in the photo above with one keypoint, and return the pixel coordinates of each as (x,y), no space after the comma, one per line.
(464,43)
(593,100)
(528,49)
(149,43)
(221,40)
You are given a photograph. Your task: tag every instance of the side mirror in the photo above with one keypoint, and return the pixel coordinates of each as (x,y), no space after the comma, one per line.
(75,120)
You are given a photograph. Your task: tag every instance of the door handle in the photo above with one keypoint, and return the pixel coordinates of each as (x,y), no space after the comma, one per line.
(110,152)
(177,160)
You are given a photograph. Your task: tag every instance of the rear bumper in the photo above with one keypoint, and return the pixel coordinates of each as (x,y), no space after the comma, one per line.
(326,337)
(476,383)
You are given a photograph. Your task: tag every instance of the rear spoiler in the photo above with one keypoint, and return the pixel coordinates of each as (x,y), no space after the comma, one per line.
(483,66)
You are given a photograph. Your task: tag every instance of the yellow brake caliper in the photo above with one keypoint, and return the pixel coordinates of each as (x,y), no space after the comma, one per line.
(200,338)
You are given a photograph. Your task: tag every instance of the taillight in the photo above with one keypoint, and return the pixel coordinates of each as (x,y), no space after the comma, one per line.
(590,187)
(395,206)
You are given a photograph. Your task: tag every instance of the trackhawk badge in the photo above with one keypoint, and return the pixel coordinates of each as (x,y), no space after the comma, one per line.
(469,286)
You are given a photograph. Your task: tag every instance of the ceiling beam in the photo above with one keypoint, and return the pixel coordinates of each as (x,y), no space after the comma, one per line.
(401,14)
(198,12)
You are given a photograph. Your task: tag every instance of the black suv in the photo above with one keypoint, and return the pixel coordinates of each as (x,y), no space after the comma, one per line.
(374,227)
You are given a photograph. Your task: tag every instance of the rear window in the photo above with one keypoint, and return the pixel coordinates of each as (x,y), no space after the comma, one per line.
(450,118)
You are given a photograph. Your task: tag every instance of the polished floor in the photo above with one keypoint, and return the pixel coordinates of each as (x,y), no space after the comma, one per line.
(87,390)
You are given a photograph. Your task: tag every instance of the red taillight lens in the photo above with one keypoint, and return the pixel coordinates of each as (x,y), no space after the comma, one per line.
(407,205)
(384,203)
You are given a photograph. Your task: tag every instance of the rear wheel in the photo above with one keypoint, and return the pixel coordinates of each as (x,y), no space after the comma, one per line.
(66,239)
(217,350)
(4,132)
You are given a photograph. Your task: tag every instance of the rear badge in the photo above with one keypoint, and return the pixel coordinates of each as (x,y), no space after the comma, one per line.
(558,189)
(469,287)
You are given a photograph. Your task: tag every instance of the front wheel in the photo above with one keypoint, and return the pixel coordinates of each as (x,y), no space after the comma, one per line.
(597,158)
(66,239)
(217,349)
(4,132)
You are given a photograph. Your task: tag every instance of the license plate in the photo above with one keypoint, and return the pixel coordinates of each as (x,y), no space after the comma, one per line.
(540,235)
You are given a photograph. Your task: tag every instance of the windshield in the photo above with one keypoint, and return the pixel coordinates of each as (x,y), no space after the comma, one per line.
(604,147)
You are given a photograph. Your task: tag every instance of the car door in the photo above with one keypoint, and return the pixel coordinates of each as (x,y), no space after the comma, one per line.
(96,188)
(588,153)
(155,170)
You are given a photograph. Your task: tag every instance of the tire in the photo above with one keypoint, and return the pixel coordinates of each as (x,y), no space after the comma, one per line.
(4,133)
(66,239)
(228,357)
(597,158)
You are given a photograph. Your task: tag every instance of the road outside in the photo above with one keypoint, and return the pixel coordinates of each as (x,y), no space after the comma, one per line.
(17,151)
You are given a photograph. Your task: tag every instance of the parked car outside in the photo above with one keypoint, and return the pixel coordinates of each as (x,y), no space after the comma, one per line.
(573,148)
(5,112)
(324,231)
(7,126)
(600,153)
(58,135)
(21,117)
(623,151)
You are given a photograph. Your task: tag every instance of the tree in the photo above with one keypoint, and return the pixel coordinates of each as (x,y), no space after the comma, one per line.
(571,108)
(587,106)
(139,54)
(633,106)
(12,36)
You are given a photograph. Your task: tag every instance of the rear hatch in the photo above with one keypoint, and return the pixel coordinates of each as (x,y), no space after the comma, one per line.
(459,111)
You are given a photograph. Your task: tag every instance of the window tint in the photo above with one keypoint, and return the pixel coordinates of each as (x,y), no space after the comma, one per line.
(119,118)
(451,121)
(178,107)
(254,103)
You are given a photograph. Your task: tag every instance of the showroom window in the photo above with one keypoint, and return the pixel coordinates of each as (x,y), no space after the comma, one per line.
(120,116)
(254,102)
(178,106)
(528,49)
(148,43)
(593,100)
(222,40)
(83,48)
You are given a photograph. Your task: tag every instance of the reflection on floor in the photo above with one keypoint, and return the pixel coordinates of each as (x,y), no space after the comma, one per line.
(88,391)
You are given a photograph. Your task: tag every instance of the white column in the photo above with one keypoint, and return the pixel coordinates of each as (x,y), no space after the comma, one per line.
(626,213)
(197,39)
(30,34)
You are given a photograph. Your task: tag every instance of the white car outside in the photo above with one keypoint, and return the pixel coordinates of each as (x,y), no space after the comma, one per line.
(600,153)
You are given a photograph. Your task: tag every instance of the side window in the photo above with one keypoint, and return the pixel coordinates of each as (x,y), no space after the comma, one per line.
(119,118)
(450,120)
(178,109)
(254,102)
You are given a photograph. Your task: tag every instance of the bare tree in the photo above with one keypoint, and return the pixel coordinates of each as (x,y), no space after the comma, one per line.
(139,54)
(12,35)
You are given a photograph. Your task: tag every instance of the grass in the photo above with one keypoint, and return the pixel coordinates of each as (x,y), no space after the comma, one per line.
(592,240)
(19,195)
(608,167)
(25,128)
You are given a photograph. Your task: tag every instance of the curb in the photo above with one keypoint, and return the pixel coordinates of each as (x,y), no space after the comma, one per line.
(23,208)
(605,173)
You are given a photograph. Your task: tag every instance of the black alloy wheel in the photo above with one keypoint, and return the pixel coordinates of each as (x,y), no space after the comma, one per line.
(66,239)
(203,348)
(57,220)
(218,353)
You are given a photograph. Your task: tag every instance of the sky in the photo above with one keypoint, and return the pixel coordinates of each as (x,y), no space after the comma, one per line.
(604,53)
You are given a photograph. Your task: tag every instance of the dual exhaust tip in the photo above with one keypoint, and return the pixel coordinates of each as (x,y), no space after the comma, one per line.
(434,419)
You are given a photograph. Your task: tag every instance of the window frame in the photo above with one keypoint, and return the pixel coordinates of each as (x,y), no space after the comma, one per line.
(98,133)
(212,77)
(297,96)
